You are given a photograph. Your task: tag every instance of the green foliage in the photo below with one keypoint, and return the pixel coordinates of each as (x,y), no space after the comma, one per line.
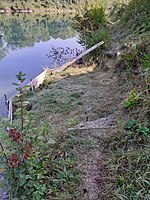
(22,149)
(129,162)
(146,61)
(135,62)
(35,165)
(137,15)
(92,28)
(137,128)
(94,18)
(99,35)
(132,99)
(129,59)
(64,177)
(74,121)
(133,182)
(97,16)
(131,125)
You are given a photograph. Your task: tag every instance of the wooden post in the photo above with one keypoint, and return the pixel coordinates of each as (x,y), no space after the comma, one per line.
(10,112)
(6,102)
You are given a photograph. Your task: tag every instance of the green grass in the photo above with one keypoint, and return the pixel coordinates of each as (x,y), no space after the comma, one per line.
(136,15)
(128,150)
(130,167)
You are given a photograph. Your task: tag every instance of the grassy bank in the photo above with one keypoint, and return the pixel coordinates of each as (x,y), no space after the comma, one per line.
(129,161)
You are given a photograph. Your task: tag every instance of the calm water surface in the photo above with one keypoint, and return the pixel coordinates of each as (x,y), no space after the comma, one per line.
(30,42)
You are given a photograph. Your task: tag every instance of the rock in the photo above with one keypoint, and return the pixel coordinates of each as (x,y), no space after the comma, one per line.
(110,54)
(137,70)
(79,61)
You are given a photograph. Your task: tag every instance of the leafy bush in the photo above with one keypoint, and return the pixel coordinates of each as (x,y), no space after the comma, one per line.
(96,16)
(23,146)
(34,164)
(129,59)
(92,28)
(146,61)
(99,35)
(92,19)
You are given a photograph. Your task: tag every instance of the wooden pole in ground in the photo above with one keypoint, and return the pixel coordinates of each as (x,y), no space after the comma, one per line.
(63,67)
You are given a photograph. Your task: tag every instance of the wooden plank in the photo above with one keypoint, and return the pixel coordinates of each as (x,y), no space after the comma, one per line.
(10,110)
(77,58)
(37,80)
(6,102)
(90,128)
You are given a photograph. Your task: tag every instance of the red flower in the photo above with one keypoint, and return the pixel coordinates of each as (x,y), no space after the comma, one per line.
(27,147)
(13,160)
(14,134)
(25,155)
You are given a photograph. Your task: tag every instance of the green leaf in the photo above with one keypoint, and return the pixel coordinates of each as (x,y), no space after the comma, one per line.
(51,141)
(16,84)
(30,183)
(40,137)
(22,179)
(1,185)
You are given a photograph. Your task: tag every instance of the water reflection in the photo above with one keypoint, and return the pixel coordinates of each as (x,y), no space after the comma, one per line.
(25,41)
(19,31)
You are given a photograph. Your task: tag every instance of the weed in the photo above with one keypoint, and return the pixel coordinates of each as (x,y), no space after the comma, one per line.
(22,149)
(136,15)
(137,128)
(73,121)
(132,99)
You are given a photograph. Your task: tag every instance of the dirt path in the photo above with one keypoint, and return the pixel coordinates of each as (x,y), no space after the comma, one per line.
(90,164)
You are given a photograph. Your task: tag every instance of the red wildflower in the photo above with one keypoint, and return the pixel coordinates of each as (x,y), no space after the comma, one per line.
(14,134)
(27,147)
(13,160)
(25,155)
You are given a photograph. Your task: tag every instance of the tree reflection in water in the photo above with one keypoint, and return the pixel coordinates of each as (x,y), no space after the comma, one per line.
(24,30)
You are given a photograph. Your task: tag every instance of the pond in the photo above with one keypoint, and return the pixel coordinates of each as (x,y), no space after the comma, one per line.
(28,43)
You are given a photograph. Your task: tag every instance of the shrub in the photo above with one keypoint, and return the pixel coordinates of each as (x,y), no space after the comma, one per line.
(25,151)
(99,35)
(92,29)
